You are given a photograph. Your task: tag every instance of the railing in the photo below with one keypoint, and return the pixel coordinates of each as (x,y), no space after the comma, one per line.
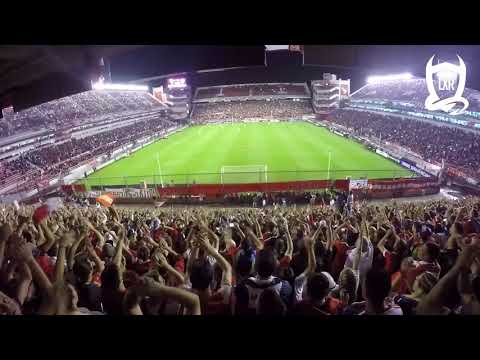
(168,180)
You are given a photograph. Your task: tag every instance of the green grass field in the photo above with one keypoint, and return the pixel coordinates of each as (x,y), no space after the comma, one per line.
(291,151)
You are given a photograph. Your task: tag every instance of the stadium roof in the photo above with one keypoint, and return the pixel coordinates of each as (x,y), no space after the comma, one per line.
(20,65)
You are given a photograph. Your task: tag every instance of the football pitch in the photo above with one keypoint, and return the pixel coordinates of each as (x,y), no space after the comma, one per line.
(257,152)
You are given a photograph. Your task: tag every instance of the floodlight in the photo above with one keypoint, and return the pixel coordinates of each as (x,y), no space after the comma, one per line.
(391,77)
(127,87)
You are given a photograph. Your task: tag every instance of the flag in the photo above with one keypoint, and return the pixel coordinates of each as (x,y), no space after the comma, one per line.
(40,213)
(46,209)
(105,200)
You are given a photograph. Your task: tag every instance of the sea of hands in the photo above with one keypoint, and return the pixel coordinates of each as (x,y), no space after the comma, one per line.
(67,223)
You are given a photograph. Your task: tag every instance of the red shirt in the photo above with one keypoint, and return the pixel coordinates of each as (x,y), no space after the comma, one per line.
(341,248)
(157,234)
(331,306)
(232,251)
(173,233)
(334,306)
(388,261)
(219,302)
(142,268)
(180,265)
(420,269)
(285,261)
(402,286)
(97,278)
(47,265)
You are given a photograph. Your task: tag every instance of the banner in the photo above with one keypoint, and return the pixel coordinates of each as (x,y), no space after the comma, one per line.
(127,193)
(386,155)
(414,168)
(358,184)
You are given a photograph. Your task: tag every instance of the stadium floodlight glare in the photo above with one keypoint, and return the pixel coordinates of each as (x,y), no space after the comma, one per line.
(447,75)
(127,87)
(392,77)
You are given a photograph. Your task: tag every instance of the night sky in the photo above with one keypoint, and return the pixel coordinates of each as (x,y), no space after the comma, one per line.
(149,61)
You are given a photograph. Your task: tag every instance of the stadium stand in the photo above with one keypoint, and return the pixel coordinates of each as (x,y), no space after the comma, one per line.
(412,91)
(434,143)
(50,160)
(74,110)
(338,256)
(248,110)
(348,258)
(253,91)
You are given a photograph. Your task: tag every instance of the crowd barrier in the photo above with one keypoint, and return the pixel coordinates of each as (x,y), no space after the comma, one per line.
(369,189)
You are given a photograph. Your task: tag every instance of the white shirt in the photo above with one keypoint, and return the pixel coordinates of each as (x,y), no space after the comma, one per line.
(366,261)
(298,285)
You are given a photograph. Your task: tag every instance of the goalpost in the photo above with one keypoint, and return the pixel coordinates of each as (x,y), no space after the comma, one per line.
(241,174)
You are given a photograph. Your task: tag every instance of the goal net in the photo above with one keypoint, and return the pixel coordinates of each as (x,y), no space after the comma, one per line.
(243,174)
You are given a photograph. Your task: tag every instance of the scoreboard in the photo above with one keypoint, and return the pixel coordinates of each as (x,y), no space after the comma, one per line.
(177,83)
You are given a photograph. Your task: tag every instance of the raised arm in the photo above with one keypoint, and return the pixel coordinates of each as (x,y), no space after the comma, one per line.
(101,239)
(210,233)
(358,255)
(436,298)
(163,263)
(23,253)
(289,251)
(148,287)
(193,256)
(330,240)
(312,261)
(114,213)
(240,232)
(117,258)
(73,249)
(65,241)
(5,233)
(24,281)
(381,243)
(48,235)
(460,214)
(99,264)
(452,241)
(258,228)
(254,239)
(221,261)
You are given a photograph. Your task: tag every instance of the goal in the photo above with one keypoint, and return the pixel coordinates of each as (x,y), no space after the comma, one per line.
(243,174)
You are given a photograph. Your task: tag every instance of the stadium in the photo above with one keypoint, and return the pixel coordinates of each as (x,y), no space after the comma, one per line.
(149,177)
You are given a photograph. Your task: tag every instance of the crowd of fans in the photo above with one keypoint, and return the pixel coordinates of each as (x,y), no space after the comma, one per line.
(245,110)
(363,259)
(413,91)
(53,159)
(73,110)
(15,168)
(277,199)
(251,90)
(457,147)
